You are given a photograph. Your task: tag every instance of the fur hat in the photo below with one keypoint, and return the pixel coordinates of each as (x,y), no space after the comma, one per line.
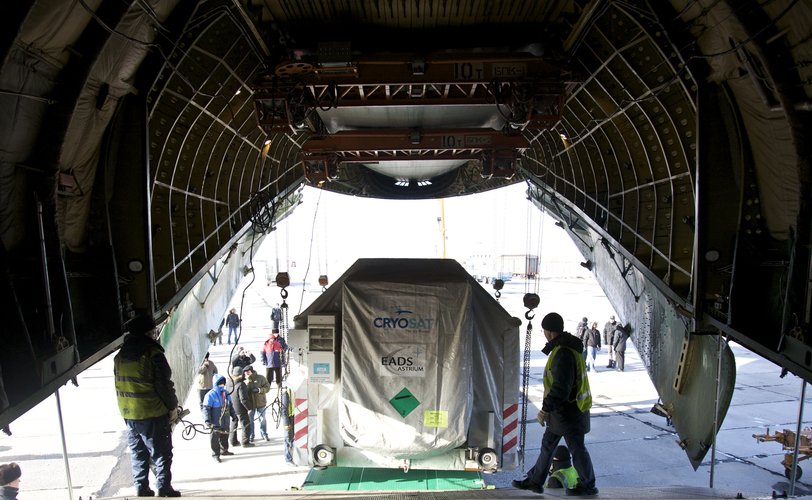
(9,472)
(553,322)
(236,371)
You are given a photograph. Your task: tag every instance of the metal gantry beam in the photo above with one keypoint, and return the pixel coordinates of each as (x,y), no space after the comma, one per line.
(529,87)
(497,151)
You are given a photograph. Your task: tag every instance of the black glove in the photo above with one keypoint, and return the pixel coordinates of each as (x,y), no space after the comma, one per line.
(255,390)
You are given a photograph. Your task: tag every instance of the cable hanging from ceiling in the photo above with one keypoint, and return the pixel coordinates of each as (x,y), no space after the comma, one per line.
(310,250)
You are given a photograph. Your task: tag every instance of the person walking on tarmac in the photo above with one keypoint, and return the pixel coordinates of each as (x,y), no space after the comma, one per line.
(241,399)
(147,401)
(592,345)
(609,339)
(621,336)
(218,412)
(564,409)
(232,321)
(276,316)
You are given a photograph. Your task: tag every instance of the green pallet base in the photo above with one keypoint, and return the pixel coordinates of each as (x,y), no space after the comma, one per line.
(367,479)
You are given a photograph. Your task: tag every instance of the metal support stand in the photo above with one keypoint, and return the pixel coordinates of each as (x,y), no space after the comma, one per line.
(64,445)
(795,450)
(716,408)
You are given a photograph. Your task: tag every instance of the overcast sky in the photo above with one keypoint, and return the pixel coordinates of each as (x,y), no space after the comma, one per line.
(344,228)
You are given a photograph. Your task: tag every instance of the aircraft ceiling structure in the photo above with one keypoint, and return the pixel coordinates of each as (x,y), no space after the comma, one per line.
(142,141)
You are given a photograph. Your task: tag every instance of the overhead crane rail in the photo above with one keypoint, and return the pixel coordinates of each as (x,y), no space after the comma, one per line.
(530,89)
(497,151)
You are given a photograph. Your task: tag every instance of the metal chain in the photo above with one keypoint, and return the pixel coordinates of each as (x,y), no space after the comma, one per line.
(283,331)
(525,388)
(531,301)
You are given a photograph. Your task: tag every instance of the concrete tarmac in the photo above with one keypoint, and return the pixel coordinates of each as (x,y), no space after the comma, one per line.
(635,452)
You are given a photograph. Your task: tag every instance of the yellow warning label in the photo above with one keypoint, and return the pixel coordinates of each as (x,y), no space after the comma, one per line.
(435,418)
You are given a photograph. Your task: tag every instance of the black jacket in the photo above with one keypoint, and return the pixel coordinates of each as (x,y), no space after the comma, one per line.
(233,320)
(240,396)
(9,492)
(564,415)
(621,336)
(593,338)
(242,361)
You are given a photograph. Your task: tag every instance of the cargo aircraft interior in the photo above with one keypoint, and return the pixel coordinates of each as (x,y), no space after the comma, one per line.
(149,145)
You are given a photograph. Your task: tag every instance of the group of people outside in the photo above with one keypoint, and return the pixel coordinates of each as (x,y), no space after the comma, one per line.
(233,405)
(230,404)
(614,338)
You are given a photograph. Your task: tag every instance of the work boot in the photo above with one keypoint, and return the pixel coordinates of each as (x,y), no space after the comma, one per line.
(527,484)
(168,492)
(145,492)
(248,445)
(582,491)
(227,453)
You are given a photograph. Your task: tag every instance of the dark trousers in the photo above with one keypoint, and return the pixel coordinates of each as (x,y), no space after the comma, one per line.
(271,372)
(150,440)
(219,441)
(620,356)
(580,458)
(243,422)
(203,393)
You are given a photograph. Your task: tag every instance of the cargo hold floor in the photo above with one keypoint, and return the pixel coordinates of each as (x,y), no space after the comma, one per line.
(371,479)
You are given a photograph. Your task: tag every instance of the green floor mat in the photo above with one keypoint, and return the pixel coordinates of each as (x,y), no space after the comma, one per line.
(368,479)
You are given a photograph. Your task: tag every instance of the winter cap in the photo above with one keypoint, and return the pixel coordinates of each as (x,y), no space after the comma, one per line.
(142,323)
(9,472)
(584,320)
(612,317)
(236,371)
(553,322)
(248,368)
(561,455)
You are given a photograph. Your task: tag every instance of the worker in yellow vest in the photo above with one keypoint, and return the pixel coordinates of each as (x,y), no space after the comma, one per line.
(147,401)
(564,409)
(562,473)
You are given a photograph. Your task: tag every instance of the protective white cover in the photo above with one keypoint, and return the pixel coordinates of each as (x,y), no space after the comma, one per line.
(416,337)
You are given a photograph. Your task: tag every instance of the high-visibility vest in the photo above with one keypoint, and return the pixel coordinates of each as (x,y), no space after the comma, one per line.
(135,391)
(568,477)
(583,397)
